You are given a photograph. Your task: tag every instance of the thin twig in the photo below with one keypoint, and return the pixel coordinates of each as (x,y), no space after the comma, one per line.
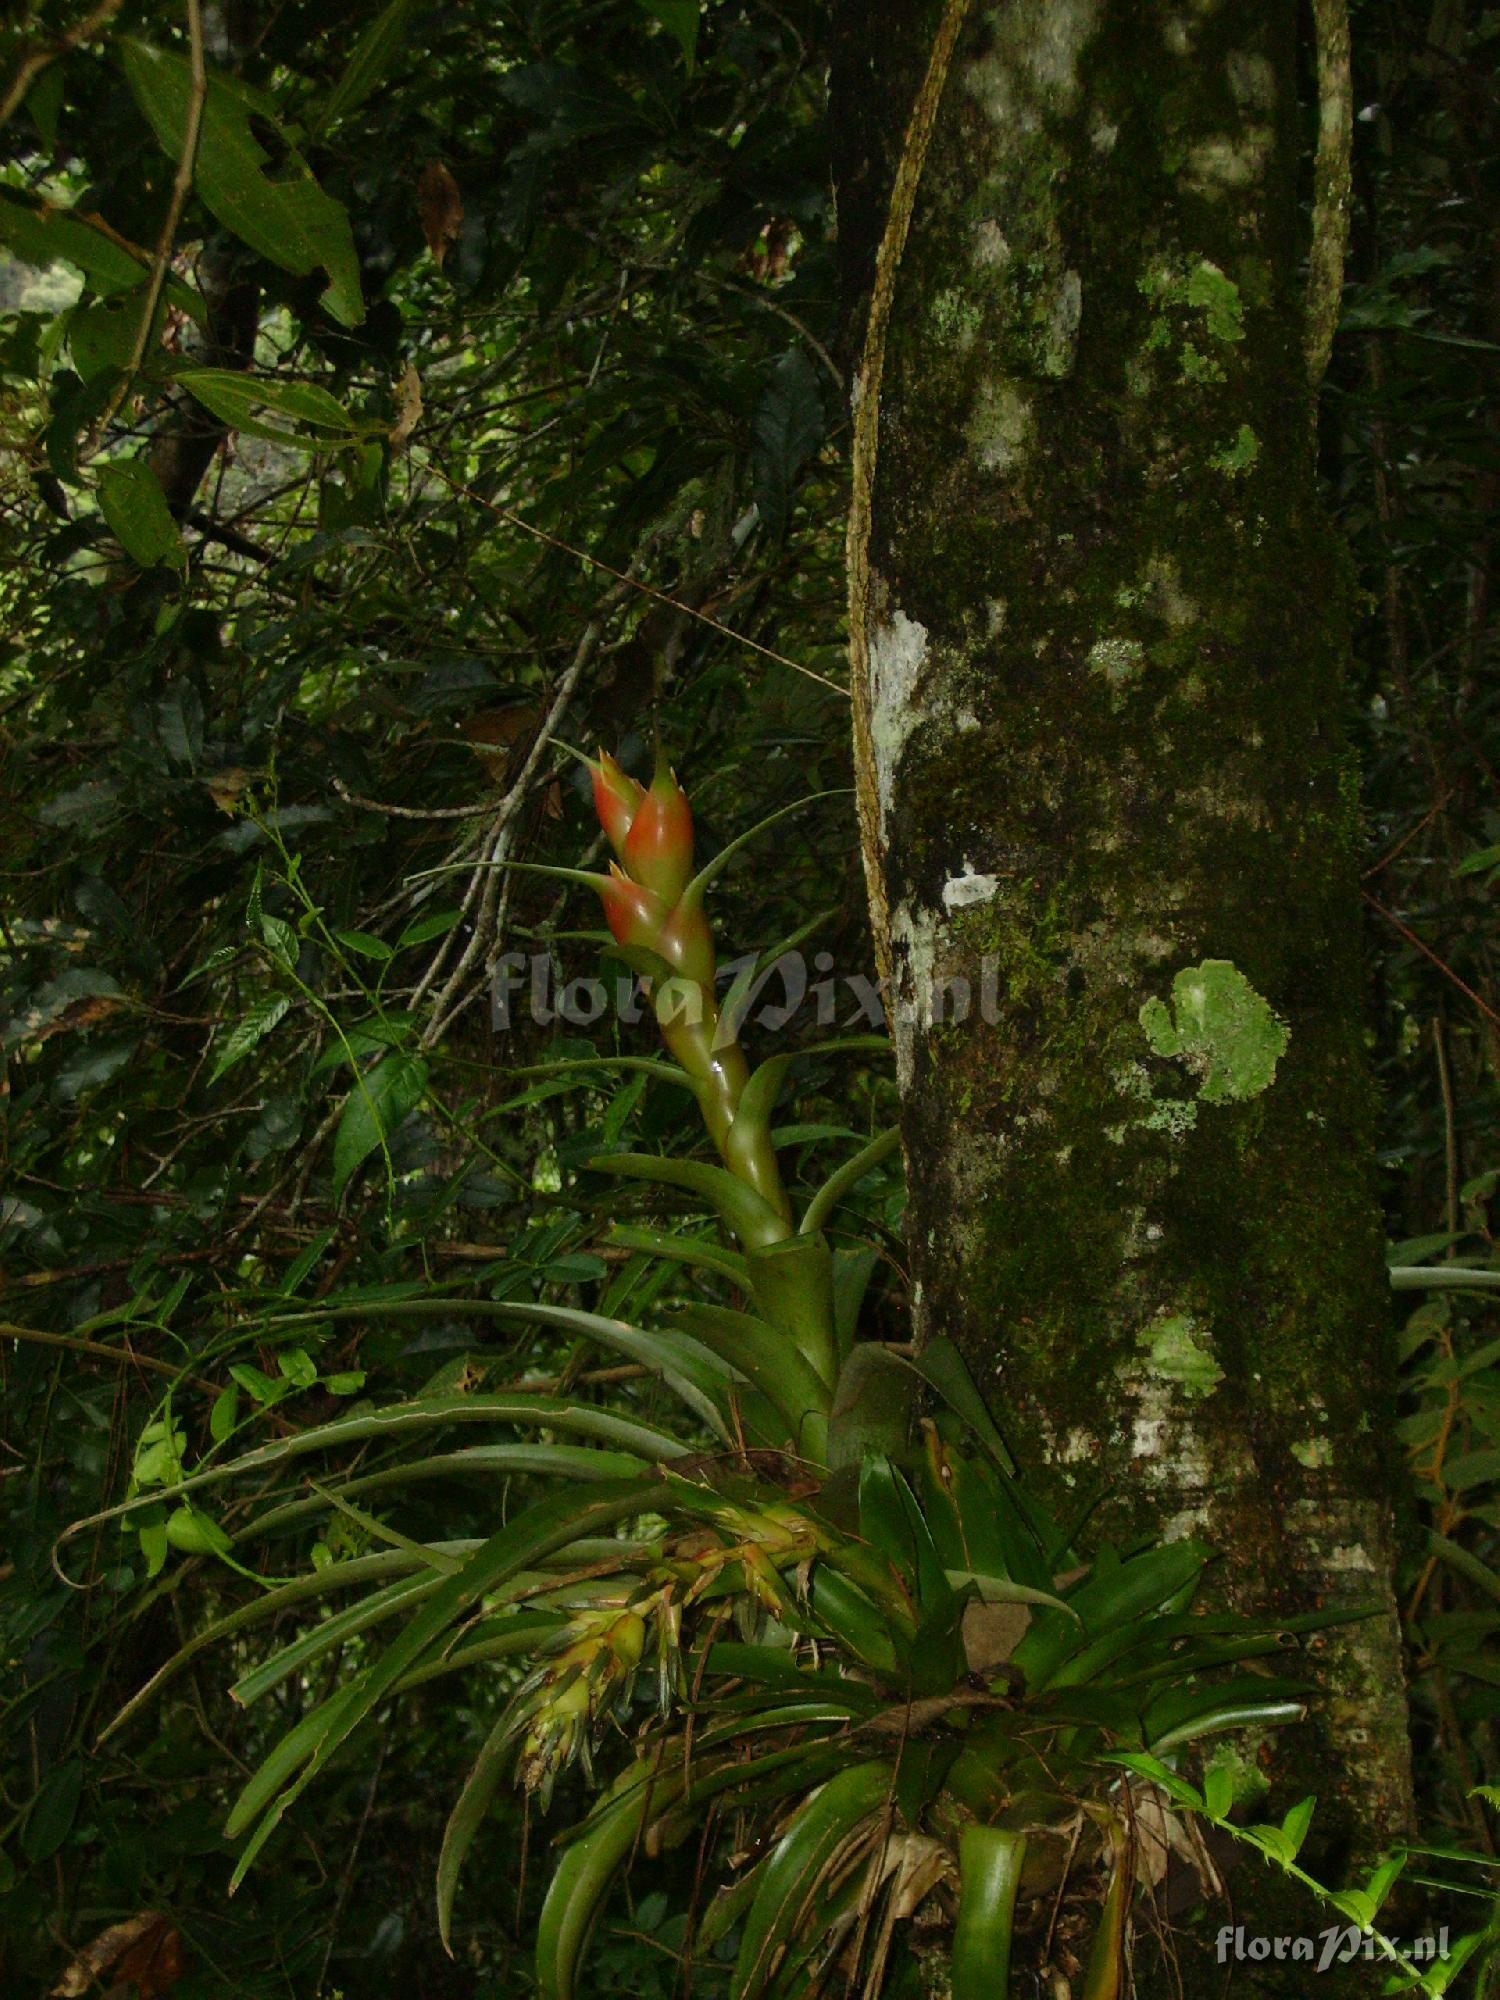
(409,812)
(122,1357)
(490,878)
(1427,952)
(181,185)
(646,589)
(31,65)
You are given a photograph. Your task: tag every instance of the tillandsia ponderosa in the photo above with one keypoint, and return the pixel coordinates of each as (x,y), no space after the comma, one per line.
(845,1625)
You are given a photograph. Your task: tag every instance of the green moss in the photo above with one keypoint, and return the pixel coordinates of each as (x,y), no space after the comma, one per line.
(1237,457)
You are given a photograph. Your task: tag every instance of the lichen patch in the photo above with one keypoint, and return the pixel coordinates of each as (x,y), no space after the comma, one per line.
(999,426)
(1177,1350)
(1221,1028)
(898,652)
(962,892)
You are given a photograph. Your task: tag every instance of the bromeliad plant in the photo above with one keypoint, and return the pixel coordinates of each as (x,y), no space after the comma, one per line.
(875,1652)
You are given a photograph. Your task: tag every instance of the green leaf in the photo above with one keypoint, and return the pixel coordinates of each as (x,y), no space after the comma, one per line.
(424,929)
(1218,1791)
(546,1526)
(588,1867)
(251,1028)
(376,1106)
(365,945)
(132,501)
(225,1414)
(680,19)
(245,402)
(289,220)
(990,1860)
(771,1363)
(298,1366)
(44,234)
(787,430)
(152,1536)
(102,332)
(372,56)
(257,1384)
(53,1811)
(281,940)
(196,1534)
(796,1864)
(751,1217)
(848,1177)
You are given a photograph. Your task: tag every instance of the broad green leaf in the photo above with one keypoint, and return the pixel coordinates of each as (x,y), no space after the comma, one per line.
(195,1533)
(298,1366)
(252,1027)
(102,332)
(244,402)
(53,1811)
(133,503)
(680,19)
(281,940)
(377,1104)
(788,428)
(990,1860)
(224,1414)
(257,1384)
(424,929)
(372,56)
(365,945)
(289,220)
(1218,1790)
(44,234)
(152,1536)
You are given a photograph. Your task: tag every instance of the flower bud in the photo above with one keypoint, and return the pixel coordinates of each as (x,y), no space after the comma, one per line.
(634,915)
(617,799)
(659,845)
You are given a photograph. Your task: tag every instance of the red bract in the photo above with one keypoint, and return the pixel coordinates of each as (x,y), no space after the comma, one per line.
(659,845)
(635,916)
(617,799)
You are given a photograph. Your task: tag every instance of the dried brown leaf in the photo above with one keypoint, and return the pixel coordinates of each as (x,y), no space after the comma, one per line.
(441,208)
(408,404)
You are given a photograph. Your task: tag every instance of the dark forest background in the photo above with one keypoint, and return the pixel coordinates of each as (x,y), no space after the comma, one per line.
(498,385)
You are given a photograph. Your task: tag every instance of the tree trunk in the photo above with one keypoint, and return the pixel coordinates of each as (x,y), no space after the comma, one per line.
(1103,637)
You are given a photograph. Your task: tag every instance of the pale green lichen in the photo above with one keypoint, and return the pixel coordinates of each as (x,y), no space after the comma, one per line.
(1177,1350)
(1118,660)
(955,319)
(1312,1452)
(1237,457)
(1223,1030)
(1218,298)
(1059,339)
(999,425)
(1225,162)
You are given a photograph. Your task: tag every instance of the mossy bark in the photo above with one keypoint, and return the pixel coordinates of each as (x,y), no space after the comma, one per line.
(1107,639)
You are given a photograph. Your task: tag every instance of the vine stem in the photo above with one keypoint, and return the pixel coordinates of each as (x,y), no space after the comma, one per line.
(1330,220)
(181,186)
(865,402)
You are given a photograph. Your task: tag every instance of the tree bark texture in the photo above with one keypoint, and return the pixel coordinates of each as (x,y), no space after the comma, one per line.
(1105,639)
